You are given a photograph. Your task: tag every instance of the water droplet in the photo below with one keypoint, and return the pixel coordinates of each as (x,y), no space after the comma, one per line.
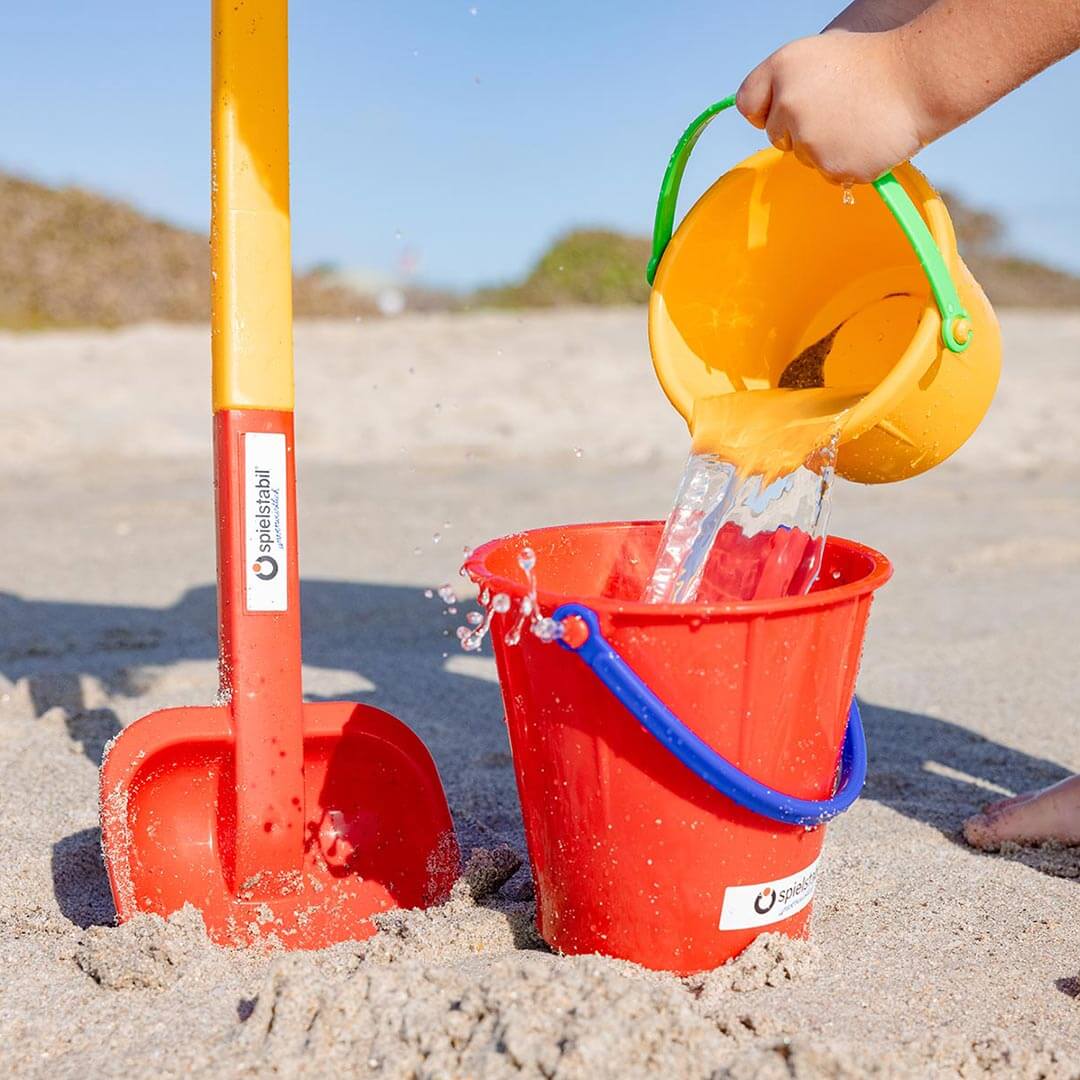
(527,560)
(548,630)
(474,618)
(847,196)
(447,594)
(500,603)
(397,234)
(447,524)
(436,537)
(474,10)
(418,551)
(429,594)
(578,452)
(485,597)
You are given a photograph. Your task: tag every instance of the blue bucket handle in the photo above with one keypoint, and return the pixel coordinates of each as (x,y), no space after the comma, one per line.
(660,722)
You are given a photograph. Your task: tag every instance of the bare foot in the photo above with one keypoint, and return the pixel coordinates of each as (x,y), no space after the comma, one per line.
(1033,818)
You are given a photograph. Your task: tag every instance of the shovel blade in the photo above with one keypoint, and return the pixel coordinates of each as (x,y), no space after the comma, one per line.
(377,831)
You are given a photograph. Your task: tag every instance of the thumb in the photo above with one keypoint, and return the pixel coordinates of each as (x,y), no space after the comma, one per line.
(754,97)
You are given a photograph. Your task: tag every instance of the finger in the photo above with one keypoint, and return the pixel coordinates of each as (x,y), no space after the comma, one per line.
(804,156)
(778,130)
(839,173)
(754,97)
(808,153)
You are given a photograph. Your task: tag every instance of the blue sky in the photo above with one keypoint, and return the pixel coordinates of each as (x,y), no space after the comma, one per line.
(467,138)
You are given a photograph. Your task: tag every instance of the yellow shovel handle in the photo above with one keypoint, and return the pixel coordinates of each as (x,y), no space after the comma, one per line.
(250,258)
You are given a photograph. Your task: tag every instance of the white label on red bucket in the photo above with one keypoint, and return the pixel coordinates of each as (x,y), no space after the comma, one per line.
(266,522)
(747,906)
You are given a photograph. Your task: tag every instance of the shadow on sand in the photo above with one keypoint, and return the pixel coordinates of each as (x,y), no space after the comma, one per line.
(925,768)
(940,773)
(391,638)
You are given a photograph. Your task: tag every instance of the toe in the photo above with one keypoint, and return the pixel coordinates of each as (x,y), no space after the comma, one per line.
(979,833)
(1011,800)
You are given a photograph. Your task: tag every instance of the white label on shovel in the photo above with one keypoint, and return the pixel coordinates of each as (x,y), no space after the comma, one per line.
(747,906)
(266,522)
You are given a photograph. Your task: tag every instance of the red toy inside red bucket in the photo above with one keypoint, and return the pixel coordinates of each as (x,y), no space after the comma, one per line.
(675,761)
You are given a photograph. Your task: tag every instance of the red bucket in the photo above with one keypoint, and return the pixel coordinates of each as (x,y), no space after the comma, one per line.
(675,761)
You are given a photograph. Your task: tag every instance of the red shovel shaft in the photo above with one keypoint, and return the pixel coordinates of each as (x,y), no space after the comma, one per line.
(258,589)
(259,610)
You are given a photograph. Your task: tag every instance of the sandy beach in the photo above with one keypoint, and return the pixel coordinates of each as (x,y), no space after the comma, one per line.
(419,437)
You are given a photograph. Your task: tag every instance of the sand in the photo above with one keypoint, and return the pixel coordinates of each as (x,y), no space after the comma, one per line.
(927,959)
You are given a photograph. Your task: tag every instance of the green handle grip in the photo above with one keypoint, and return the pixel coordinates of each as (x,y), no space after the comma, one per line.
(953,314)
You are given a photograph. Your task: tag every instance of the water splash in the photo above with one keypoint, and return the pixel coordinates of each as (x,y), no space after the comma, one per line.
(735,537)
(527,607)
(472,636)
(527,618)
(527,562)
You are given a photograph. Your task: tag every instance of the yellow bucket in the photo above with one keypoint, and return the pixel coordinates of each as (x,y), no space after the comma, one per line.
(774,279)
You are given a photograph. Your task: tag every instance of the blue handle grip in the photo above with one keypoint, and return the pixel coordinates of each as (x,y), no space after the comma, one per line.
(657,719)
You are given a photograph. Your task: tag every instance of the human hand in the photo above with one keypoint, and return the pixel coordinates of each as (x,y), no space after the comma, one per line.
(844,103)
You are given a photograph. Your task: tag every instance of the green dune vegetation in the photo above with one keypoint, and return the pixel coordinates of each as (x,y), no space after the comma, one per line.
(597,266)
(69,257)
(586,266)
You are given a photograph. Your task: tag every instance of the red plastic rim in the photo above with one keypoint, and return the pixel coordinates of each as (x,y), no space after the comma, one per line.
(879,570)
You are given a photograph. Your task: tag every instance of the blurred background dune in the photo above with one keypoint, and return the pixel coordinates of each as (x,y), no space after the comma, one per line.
(72,258)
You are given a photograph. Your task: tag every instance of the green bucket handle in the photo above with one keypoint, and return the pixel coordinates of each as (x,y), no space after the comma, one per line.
(954,318)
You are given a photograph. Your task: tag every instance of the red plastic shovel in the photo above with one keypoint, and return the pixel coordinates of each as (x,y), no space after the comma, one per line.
(277,819)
